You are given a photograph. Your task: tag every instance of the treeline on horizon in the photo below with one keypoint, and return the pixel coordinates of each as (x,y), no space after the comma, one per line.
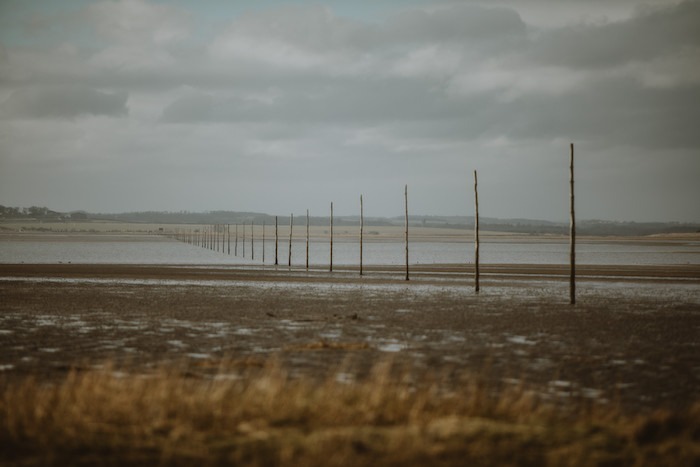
(527,226)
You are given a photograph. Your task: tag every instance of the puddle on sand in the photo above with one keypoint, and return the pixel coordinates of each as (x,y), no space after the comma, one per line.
(199,356)
(521,340)
(393,346)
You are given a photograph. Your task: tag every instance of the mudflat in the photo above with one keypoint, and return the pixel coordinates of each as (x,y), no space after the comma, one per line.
(632,339)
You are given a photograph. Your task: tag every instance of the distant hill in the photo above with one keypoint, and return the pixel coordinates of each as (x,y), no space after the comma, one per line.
(527,226)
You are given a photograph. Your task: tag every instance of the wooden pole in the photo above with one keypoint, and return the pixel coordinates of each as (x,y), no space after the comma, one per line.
(235,245)
(291,225)
(276,241)
(405,195)
(307,239)
(228,235)
(243,239)
(252,240)
(331,252)
(572,232)
(263,242)
(362,227)
(476,234)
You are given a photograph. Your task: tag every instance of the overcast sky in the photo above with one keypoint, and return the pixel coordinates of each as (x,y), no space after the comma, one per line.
(279,107)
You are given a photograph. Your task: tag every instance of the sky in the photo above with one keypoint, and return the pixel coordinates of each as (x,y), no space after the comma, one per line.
(283,106)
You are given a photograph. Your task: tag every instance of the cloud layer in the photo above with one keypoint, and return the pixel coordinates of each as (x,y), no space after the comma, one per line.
(422,95)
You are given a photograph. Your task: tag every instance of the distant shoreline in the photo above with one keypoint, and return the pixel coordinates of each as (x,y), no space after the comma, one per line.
(18,231)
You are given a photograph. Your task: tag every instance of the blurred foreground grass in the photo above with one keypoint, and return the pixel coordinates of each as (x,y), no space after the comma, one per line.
(263,416)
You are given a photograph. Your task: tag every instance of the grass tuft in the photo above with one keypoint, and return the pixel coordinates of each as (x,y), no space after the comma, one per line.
(260,415)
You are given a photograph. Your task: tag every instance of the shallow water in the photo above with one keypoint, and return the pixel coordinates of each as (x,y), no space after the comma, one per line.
(159,250)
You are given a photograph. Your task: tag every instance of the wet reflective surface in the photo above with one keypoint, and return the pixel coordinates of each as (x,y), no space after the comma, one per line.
(626,341)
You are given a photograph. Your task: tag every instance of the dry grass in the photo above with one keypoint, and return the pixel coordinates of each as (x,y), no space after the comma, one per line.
(262,416)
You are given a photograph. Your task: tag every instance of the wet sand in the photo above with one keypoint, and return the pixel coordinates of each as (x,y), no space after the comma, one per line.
(633,339)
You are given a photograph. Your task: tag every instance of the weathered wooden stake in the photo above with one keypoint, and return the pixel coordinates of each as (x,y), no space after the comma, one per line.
(276,241)
(476,234)
(405,195)
(228,235)
(572,233)
(252,240)
(291,224)
(243,240)
(307,239)
(362,227)
(331,252)
(235,245)
(263,242)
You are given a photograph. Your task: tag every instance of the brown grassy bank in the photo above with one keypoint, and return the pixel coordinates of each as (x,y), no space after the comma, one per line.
(262,416)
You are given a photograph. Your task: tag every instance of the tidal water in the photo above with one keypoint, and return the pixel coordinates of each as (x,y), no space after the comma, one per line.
(162,250)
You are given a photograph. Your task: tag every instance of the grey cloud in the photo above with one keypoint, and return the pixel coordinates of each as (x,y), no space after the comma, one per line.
(651,33)
(312,27)
(63,102)
(138,22)
(341,101)
(615,111)
(462,23)
(316,28)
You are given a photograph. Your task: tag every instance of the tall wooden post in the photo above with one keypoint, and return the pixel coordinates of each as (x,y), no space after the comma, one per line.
(276,241)
(291,226)
(252,240)
(235,245)
(228,236)
(476,234)
(307,239)
(243,239)
(572,232)
(405,195)
(362,228)
(331,252)
(263,242)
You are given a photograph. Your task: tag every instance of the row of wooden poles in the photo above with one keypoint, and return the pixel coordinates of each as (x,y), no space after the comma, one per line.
(219,237)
